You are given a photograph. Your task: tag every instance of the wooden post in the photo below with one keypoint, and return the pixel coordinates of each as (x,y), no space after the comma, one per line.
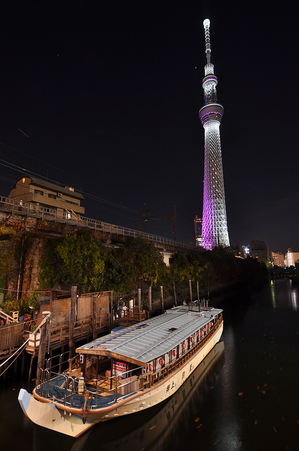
(111,309)
(51,299)
(94,318)
(150,299)
(30,368)
(139,301)
(23,363)
(190,290)
(174,293)
(162,299)
(197,290)
(72,322)
(41,352)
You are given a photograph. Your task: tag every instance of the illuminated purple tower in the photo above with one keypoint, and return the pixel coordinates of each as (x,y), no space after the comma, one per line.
(214,222)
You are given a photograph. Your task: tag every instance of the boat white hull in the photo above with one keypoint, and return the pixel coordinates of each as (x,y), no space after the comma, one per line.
(48,415)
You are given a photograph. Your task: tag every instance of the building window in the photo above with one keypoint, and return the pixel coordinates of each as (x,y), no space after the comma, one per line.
(46,209)
(70,202)
(52,196)
(38,191)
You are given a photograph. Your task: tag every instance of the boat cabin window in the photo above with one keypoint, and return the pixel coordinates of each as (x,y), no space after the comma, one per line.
(124,370)
(95,367)
(120,369)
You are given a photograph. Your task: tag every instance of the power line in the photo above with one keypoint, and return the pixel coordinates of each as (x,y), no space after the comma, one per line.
(94,198)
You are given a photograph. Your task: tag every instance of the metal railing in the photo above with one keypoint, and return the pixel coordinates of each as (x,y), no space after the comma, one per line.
(60,334)
(19,207)
(162,373)
(63,388)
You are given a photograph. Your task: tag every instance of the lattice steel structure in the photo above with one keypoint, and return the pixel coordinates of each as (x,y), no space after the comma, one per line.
(214,221)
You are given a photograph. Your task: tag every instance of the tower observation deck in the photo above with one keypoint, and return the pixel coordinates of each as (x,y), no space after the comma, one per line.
(214,221)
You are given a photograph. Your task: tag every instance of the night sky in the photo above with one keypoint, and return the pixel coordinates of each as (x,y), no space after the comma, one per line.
(104,96)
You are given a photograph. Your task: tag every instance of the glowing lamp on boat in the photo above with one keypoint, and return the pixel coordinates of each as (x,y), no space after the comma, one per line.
(81,386)
(191,339)
(184,345)
(150,367)
(173,352)
(161,361)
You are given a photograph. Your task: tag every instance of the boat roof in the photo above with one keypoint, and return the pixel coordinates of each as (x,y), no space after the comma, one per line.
(152,338)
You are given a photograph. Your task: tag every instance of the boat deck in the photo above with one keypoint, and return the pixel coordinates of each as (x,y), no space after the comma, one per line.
(64,391)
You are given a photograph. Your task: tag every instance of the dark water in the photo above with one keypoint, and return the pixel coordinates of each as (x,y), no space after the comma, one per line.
(247,398)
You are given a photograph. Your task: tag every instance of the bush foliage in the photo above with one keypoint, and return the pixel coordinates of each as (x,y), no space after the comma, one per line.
(83,261)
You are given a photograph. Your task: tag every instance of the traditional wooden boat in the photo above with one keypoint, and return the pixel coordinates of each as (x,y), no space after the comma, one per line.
(124,372)
(153,428)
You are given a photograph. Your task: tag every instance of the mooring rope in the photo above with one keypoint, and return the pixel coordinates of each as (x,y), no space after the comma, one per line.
(22,347)
(63,319)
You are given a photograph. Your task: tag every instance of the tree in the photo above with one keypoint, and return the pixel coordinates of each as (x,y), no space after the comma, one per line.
(73,260)
(138,264)
(6,261)
(181,271)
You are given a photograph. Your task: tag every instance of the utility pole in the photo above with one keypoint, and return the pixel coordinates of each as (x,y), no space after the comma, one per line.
(146,216)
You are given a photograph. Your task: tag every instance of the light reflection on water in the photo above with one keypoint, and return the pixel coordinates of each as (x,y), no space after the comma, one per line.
(272,284)
(228,422)
(293,296)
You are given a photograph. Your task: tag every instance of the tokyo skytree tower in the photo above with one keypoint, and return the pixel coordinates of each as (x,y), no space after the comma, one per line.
(214,222)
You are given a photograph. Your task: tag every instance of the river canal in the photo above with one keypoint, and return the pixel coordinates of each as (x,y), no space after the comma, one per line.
(246,397)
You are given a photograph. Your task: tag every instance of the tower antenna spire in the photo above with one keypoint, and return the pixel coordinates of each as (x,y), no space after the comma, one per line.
(206,25)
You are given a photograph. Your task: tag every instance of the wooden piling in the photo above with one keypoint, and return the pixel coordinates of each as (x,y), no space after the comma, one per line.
(174,294)
(190,290)
(150,300)
(139,300)
(111,312)
(94,318)
(162,299)
(72,321)
(23,363)
(30,367)
(41,352)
